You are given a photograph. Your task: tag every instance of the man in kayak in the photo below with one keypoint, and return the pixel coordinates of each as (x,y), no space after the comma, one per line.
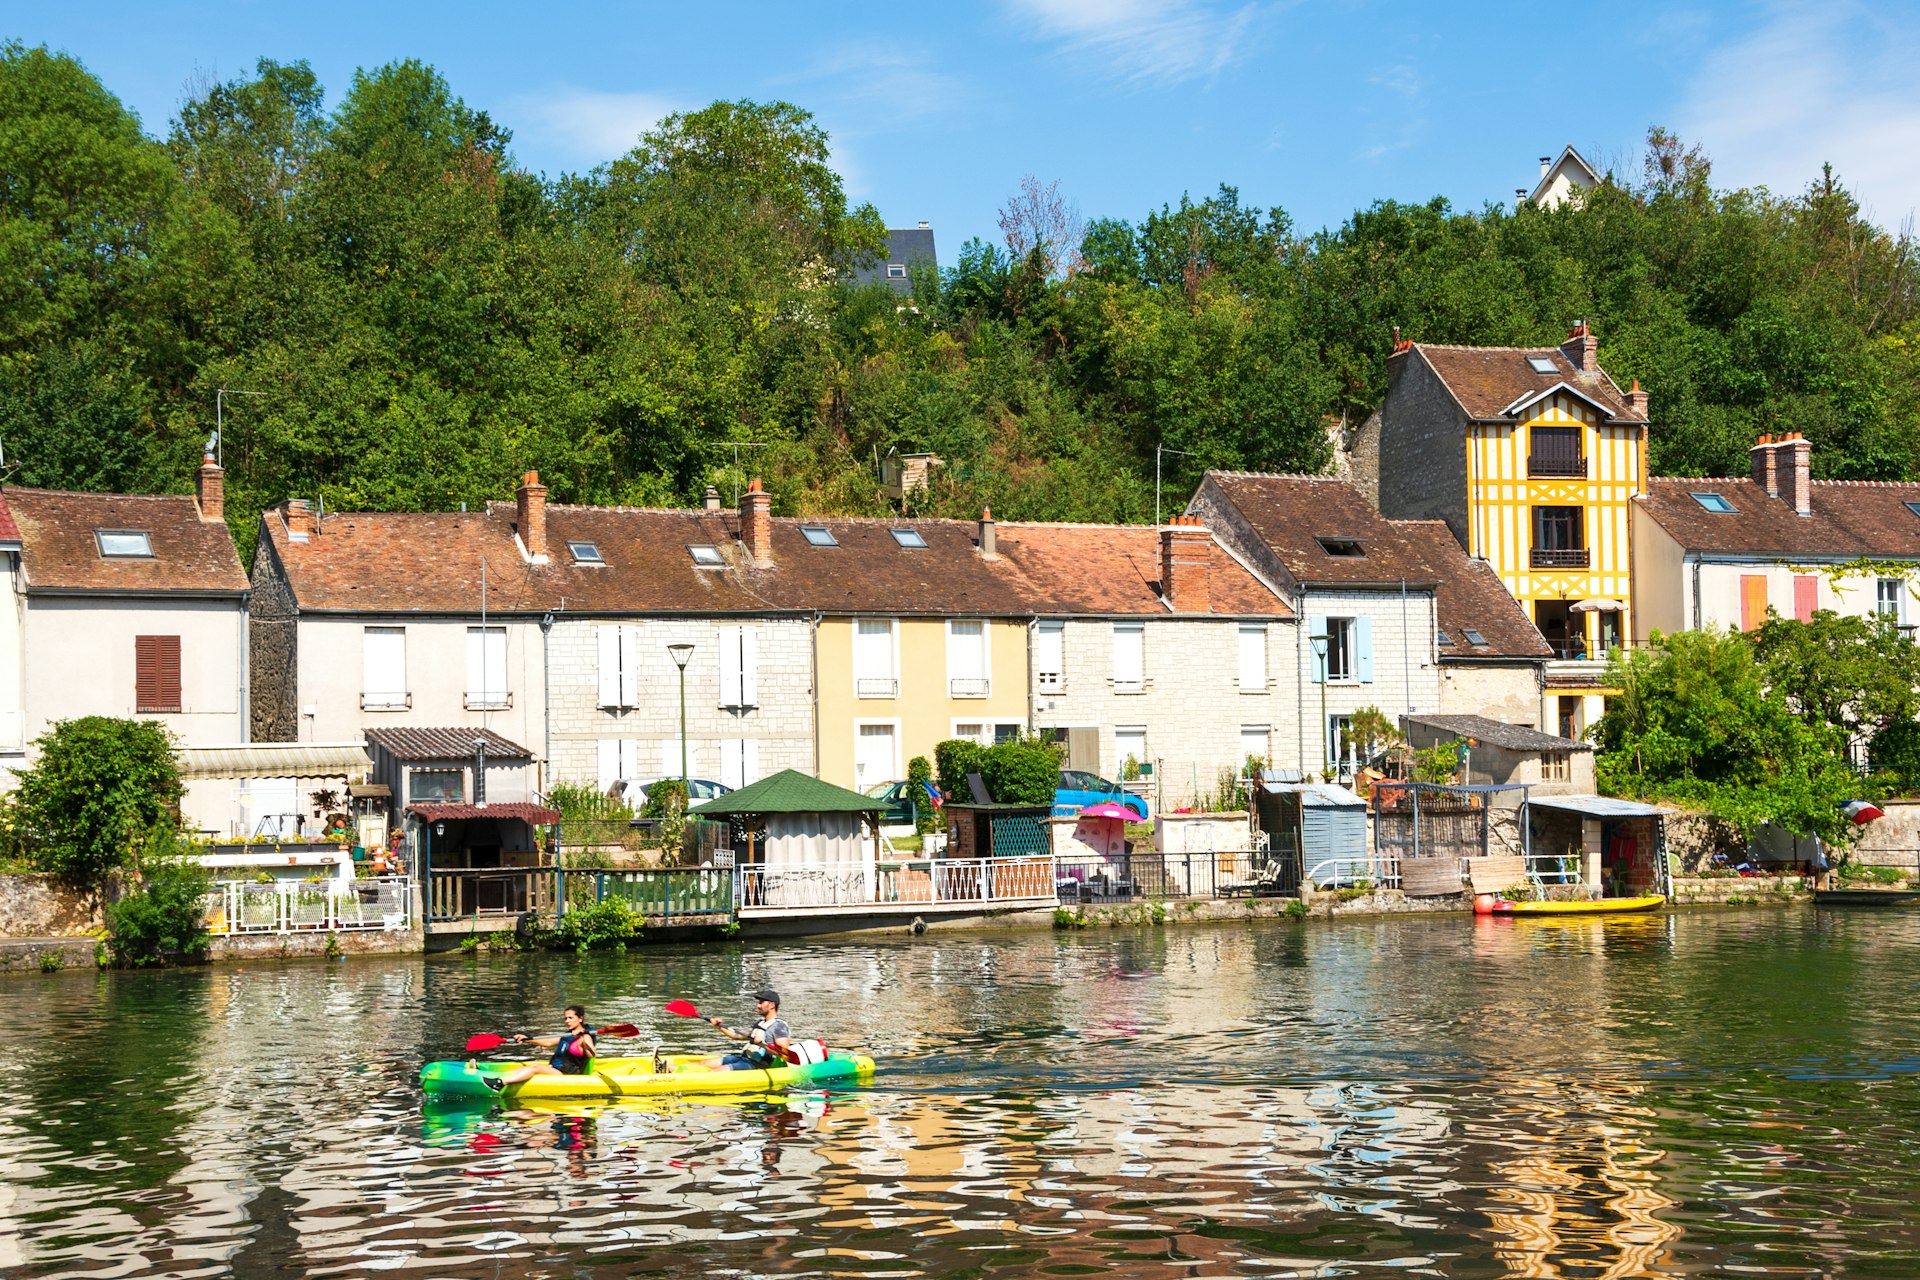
(572,1052)
(766,1041)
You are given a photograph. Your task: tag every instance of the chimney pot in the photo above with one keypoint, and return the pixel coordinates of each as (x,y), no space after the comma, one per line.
(1793,468)
(299,517)
(210,490)
(1546,164)
(530,503)
(1637,400)
(756,523)
(712,499)
(1582,348)
(1765,468)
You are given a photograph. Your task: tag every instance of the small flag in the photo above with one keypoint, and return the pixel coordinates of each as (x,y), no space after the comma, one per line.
(1860,812)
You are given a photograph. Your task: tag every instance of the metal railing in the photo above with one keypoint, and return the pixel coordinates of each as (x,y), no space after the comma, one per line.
(936,881)
(1560,557)
(386,701)
(1128,877)
(1541,465)
(876,687)
(333,906)
(969,687)
(457,893)
(1376,872)
(661,892)
(492,700)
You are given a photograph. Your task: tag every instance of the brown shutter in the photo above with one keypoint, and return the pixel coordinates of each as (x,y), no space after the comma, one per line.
(156,673)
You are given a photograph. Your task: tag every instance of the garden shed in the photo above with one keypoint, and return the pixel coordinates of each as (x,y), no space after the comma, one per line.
(1320,829)
(802,841)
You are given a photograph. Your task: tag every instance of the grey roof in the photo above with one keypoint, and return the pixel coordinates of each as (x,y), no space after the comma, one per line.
(907,246)
(1598,806)
(1510,737)
(444,744)
(1318,795)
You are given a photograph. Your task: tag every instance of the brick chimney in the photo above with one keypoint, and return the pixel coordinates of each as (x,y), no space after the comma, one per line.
(531,500)
(210,490)
(1186,549)
(1582,348)
(1765,472)
(756,523)
(989,544)
(712,500)
(1637,400)
(299,517)
(1793,467)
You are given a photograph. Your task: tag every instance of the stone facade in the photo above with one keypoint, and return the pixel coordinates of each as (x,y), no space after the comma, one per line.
(1509,692)
(1416,444)
(1405,669)
(273,650)
(780,722)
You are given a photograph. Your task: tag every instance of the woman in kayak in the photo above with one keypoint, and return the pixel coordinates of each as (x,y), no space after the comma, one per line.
(572,1052)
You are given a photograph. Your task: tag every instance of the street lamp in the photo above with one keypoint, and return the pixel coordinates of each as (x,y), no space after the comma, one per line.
(1319,644)
(682,652)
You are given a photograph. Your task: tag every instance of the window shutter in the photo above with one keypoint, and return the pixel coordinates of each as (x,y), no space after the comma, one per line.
(1129,658)
(1753,600)
(749,762)
(496,664)
(1363,650)
(730,695)
(670,758)
(1806,597)
(629,666)
(730,763)
(476,664)
(1317,630)
(1049,653)
(156,673)
(749,667)
(608,771)
(609,641)
(1253,656)
(629,757)
(384,667)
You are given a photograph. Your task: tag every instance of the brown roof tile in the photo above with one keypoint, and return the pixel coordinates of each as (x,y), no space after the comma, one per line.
(444,744)
(1847,518)
(1294,515)
(1485,380)
(1080,569)
(59,550)
(9,531)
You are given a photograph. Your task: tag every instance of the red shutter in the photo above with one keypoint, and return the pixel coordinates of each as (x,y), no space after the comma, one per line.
(1806,596)
(156,673)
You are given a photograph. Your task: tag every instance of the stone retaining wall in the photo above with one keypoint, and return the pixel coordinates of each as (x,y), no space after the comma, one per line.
(43,906)
(1690,891)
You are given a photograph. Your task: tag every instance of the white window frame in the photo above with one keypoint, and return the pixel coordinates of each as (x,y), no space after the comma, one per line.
(873,686)
(1123,683)
(1120,752)
(483,666)
(988,728)
(964,686)
(383,699)
(1898,614)
(1255,632)
(894,770)
(1349,671)
(1266,743)
(1055,680)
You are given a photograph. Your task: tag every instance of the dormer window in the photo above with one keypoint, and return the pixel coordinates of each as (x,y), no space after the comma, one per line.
(908,537)
(706,557)
(124,544)
(818,536)
(585,553)
(1343,548)
(1542,364)
(1719,505)
(1914,507)
(896,271)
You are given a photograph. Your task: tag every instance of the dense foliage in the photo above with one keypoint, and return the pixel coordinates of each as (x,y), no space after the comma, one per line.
(919,778)
(98,789)
(418,319)
(161,917)
(1017,771)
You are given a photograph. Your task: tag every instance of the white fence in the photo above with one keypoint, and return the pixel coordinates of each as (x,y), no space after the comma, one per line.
(937,882)
(332,906)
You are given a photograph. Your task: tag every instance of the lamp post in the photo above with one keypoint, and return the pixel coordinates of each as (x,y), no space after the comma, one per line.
(1319,644)
(682,652)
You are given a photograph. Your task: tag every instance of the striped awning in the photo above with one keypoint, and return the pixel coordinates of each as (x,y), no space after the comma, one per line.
(276,760)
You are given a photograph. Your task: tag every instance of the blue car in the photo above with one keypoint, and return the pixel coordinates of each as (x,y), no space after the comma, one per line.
(1078,789)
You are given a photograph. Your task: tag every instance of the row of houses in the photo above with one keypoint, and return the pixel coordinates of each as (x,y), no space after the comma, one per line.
(1491,534)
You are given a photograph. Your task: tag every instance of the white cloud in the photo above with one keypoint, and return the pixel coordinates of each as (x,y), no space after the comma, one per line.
(1142,41)
(588,126)
(885,89)
(1824,81)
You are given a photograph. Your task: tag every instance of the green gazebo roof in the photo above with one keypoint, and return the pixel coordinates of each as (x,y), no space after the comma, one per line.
(788,791)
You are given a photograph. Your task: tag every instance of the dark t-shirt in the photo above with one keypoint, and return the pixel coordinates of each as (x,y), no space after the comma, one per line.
(772,1031)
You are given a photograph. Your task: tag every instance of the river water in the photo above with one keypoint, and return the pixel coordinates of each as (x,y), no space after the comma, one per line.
(1709,1093)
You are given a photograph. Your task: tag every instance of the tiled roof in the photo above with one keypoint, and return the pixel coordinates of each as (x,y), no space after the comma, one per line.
(538,815)
(1100,569)
(1847,518)
(59,549)
(1485,380)
(411,744)
(1296,516)
(9,531)
(1510,737)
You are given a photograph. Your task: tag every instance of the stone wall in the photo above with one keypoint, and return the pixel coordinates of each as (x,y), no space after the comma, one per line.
(1693,839)
(1422,447)
(41,906)
(1893,840)
(1509,693)
(272,650)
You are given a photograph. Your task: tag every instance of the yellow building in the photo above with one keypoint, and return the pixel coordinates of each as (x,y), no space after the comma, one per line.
(1532,456)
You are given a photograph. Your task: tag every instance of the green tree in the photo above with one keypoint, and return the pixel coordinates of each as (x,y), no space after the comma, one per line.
(99,788)
(1850,674)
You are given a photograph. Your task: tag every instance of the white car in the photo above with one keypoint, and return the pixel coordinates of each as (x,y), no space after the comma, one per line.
(633,791)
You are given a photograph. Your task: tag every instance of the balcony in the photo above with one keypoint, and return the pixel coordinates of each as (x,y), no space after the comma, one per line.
(969,687)
(495,700)
(1560,558)
(876,687)
(1547,467)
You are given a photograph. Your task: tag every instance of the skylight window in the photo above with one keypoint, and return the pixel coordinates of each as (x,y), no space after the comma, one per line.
(1914,507)
(1344,548)
(818,536)
(585,553)
(1542,364)
(1719,505)
(908,537)
(123,543)
(1473,637)
(1444,638)
(705,556)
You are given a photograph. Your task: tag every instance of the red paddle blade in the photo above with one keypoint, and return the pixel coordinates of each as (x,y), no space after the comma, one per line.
(624,1029)
(682,1008)
(485,1040)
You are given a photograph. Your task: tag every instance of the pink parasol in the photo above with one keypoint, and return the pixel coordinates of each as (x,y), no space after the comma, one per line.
(1108,809)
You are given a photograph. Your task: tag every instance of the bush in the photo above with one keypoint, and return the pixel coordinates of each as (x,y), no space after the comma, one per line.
(577,803)
(162,918)
(1896,750)
(100,786)
(919,778)
(608,920)
(953,760)
(1022,771)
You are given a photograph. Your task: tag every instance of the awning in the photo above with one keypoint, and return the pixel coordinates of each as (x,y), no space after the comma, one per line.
(1599,806)
(538,815)
(1318,794)
(276,760)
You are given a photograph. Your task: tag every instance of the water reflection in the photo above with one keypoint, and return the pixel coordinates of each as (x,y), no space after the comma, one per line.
(1649,1096)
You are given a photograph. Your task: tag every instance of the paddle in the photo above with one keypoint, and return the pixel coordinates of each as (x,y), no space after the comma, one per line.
(685,1009)
(487,1040)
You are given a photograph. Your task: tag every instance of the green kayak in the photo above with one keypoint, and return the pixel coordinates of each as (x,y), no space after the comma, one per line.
(635,1077)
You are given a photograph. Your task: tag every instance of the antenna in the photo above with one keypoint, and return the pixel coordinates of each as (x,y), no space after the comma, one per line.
(737,447)
(220,419)
(1157,451)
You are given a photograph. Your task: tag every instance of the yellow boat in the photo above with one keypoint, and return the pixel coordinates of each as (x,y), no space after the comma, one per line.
(1589,906)
(628,1077)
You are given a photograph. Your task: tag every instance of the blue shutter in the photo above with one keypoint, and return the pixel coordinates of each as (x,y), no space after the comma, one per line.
(1363,650)
(1316,627)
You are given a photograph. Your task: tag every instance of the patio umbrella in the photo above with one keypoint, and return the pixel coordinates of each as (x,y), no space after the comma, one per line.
(1107,809)
(1861,812)
(1598,606)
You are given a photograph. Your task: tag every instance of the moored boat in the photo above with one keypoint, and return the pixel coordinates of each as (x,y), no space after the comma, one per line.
(1590,906)
(1865,897)
(634,1077)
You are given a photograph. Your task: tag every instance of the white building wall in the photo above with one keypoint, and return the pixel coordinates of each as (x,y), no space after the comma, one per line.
(1190,703)
(782,722)
(1506,693)
(1405,676)
(13,695)
(1856,595)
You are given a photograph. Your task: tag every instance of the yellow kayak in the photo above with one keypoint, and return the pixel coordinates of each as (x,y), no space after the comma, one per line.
(631,1077)
(1588,907)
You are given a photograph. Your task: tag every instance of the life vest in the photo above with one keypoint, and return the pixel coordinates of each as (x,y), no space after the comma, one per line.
(572,1054)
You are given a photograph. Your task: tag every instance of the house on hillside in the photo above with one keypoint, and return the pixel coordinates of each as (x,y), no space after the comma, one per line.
(1392,614)
(130,605)
(1561,180)
(907,248)
(1532,456)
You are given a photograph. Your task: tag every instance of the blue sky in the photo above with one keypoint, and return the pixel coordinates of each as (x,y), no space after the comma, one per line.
(936,112)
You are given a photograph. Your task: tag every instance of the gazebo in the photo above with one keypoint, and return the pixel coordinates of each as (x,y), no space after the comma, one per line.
(794,823)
